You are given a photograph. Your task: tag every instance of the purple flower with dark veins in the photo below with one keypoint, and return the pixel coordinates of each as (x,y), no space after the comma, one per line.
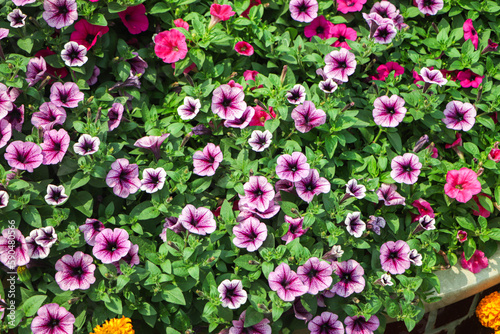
(111,245)
(87,145)
(296,95)
(54,147)
(292,167)
(16,18)
(316,275)
(384,280)
(259,140)
(115,114)
(388,194)
(95,74)
(60,13)
(228,102)
(231,294)
(326,323)
(258,192)
(384,9)
(74,54)
(137,64)
(206,162)
(6,104)
(16,117)
(250,234)
(153,179)
(385,32)
(307,117)
(239,326)
(388,112)
(339,65)
(359,325)
(197,220)
(53,319)
(131,258)
(23,155)
(355,190)
(351,278)
(271,211)
(16,254)
(67,95)
(4,199)
(459,116)
(35,250)
(152,143)
(173,224)
(75,272)
(189,109)
(355,226)
(415,257)
(312,185)
(286,283)
(294,230)
(427,223)
(46,236)
(328,86)
(5,132)
(303,10)
(405,168)
(48,116)
(375,224)
(91,229)
(300,311)
(334,254)
(394,257)
(431,77)
(243,121)
(55,195)
(123,178)
(429,7)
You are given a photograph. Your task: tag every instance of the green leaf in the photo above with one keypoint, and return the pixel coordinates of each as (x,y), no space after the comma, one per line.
(272,124)
(123,70)
(114,7)
(26,44)
(174,295)
(159,8)
(466,223)
(226,211)
(494,234)
(79,180)
(18,184)
(471,148)
(33,304)
(252,317)
(32,216)
(395,141)
(98,19)
(82,201)
(486,203)
(331,144)
(198,57)
(114,304)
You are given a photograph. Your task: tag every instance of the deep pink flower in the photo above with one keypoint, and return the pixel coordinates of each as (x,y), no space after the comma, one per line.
(250,234)
(219,13)
(135,19)
(67,95)
(307,117)
(482,210)
(111,245)
(260,116)
(258,192)
(461,236)
(343,33)
(253,3)
(86,34)
(115,114)
(388,112)
(471,33)
(75,272)
(197,220)
(394,257)
(303,10)
(54,146)
(349,6)
(429,7)
(388,194)
(476,263)
(320,27)
(326,323)
(23,155)
(250,75)
(231,294)
(91,229)
(5,132)
(340,65)
(286,283)
(494,153)
(295,229)
(462,184)
(228,102)
(233,84)
(170,46)
(458,141)
(153,179)
(180,23)
(385,69)
(35,71)
(292,167)
(244,48)
(53,319)
(60,13)
(312,185)
(123,178)
(20,257)
(351,278)
(468,78)
(152,143)
(492,46)
(207,161)
(406,168)
(359,325)
(262,327)
(424,208)
(459,116)
(316,275)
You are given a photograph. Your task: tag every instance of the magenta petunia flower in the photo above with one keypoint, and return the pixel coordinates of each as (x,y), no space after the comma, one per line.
(286,283)
(295,229)
(429,7)
(385,69)
(137,64)
(228,102)
(219,13)
(351,278)
(35,250)
(470,33)
(4,199)
(316,275)
(250,75)
(374,20)
(476,263)
(385,32)
(250,234)
(5,132)
(87,145)
(54,147)
(292,167)
(468,79)
(350,6)
(67,95)
(173,224)
(259,140)
(312,185)
(91,229)
(388,194)
(153,179)
(207,161)
(320,27)
(135,19)
(384,9)
(36,70)
(86,34)
(307,117)
(131,258)
(326,323)
(461,236)
(75,272)
(55,195)
(16,256)
(355,226)
(22,2)
(343,33)
(197,220)
(389,112)
(353,189)
(492,46)
(152,143)
(53,319)
(246,211)
(459,116)
(243,121)
(300,311)
(244,48)
(375,224)
(482,210)
(115,114)
(189,109)
(258,192)
(16,18)
(23,155)
(462,184)
(123,178)
(60,13)
(328,86)
(405,168)
(180,23)
(170,46)
(253,3)
(303,10)
(111,245)
(359,325)
(231,294)
(6,104)
(95,74)
(261,116)
(262,327)
(74,54)
(296,95)
(339,65)
(394,257)
(48,116)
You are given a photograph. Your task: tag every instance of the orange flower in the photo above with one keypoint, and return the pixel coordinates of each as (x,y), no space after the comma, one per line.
(488,311)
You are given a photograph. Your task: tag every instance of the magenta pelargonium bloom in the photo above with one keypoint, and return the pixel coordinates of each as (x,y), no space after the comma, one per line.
(153,179)
(359,325)
(295,229)
(170,46)
(406,168)
(48,116)
(228,102)
(316,275)
(207,161)
(429,7)
(189,109)
(20,256)
(286,283)
(91,229)
(152,143)
(388,194)
(462,184)
(115,114)
(54,147)
(197,220)
(123,178)
(87,145)
(55,195)
(23,155)
(355,226)
(111,245)
(459,116)
(307,117)
(231,294)
(470,33)
(53,319)
(476,263)
(339,65)
(388,112)
(303,10)
(65,95)
(320,27)
(351,278)
(258,192)
(60,13)
(292,167)
(250,234)
(394,257)
(350,6)
(262,327)
(135,19)
(326,323)
(312,185)
(75,272)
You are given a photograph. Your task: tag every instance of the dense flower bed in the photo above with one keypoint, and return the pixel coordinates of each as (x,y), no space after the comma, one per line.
(248,166)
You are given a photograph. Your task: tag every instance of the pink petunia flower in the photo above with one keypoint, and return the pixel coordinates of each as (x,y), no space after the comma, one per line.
(91,229)
(53,319)
(468,78)
(250,75)
(60,13)
(351,277)
(406,168)
(385,69)
(244,48)
(471,33)
(312,185)
(115,114)
(135,19)
(197,220)
(429,7)
(295,229)
(462,184)
(180,23)
(482,210)
(23,155)
(292,167)
(258,192)
(320,27)
(207,161)
(326,323)
(385,32)
(35,71)
(494,153)
(250,234)
(388,194)
(359,325)
(86,34)
(65,95)
(476,263)
(170,46)
(303,10)
(286,283)
(13,255)
(316,275)
(55,145)
(424,208)
(394,257)
(228,102)
(16,117)
(461,236)
(431,77)
(389,112)
(340,65)
(260,116)
(111,245)
(152,143)
(459,116)
(307,117)
(75,272)
(48,116)
(123,178)
(5,132)
(343,33)
(243,121)
(350,6)
(219,13)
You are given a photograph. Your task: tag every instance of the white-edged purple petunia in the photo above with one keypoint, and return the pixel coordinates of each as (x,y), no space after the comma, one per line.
(312,185)
(153,179)
(259,140)
(459,116)
(296,95)
(16,256)
(4,199)
(388,112)
(292,167)
(35,250)
(17,18)
(231,294)
(316,275)
(55,195)
(74,54)
(115,114)
(340,64)
(228,102)
(405,168)
(258,192)
(75,272)
(353,189)
(307,117)
(207,161)
(36,70)
(123,178)
(429,7)
(87,145)
(394,257)
(189,109)
(388,194)
(303,10)
(354,225)
(351,278)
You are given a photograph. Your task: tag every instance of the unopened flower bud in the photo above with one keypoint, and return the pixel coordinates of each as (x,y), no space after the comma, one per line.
(24,274)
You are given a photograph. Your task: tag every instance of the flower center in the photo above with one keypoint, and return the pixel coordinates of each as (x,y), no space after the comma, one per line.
(342,64)
(63,98)
(312,273)
(90,38)
(407,168)
(176,49)
(320,30)
(303,8)
(230,293)
(393,255)
(112,246)
(53,323)
(226,102)
(459,187)
(63,10)
(391,110)
(309,187)
(78,272)
(20,157)
(293,168)
(346,277)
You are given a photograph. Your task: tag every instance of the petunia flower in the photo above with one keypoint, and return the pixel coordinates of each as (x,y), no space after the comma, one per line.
(219,13)
(292,167)
(23,155)
(60,72)
(5,132)
(131,258)
(303,10)
(16,256)
(4,199)
(316,275)
(476,263)
(231,294)
(295,229)
(91,229)
(405,168)
(170,46)
(189,109)
(53,319)
(35,70)
(431,77)
(355,226)
(300,311)
(111,245)
(262,327)
(271,211)
(351,278)
(343,33)
(16,18)
(46,236)
(250,75)
(494,153)
(415,257)
(253,3)
(426,223)
(394,257)
(75,272)
(243,121)
(359,325)
(258,192)
(87,145)
(429,7)
(250,234)
(461,236)
(22,2)
(137,64)
(385,32)
(180,23)
(60,13)
(55,195)
(95,74)
(123,178)
(244,48)
(320,27)
(384,280)
(48,116)
(328,86)
(312,185)
(35,250)
(462,184)
(388,194)
(470,33)
(135,19)
(389,112)
(326,323)
(207,161)
(353,189)
(172,223)
(296,95)
(74,54)
(197,220)
(423,207)
(492,46)
(482,210)
(350,6)
(375,224)
(115,114)
(385,69)
(384,9)
(259,140)
(340,65)
(65,95)
(228,102)
(307,117)
(153,179)
(286,283)
(55,145)
(152,143)
(86,34)
(468,79)
(459,116)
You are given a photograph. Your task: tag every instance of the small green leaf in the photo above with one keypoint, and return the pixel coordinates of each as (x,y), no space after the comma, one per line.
(252,317)
(33,304)
(114,304)
(82,201)
(32,216)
